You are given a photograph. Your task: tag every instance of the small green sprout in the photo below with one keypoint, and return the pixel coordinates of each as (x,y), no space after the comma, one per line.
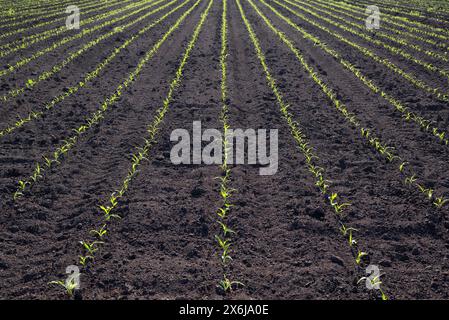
(90,247)
(359,257)
(227,284)
(225,228)
(402,166)
(410,180)
(332,199)
(348,232)
(339,207)
(69,286)
(100,233)
(83,259)
(440,201)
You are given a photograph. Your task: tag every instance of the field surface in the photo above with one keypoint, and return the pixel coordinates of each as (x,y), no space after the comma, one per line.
(86,177)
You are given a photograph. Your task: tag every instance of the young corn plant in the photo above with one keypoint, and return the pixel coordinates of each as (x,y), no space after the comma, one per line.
(84,259)
(69,286)
(375,283)
(227,285)
(440,202)
(360,255)
(347,232)
(91,247)
(101,232)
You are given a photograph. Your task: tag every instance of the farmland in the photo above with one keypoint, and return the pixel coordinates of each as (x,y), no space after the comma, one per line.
(87,178)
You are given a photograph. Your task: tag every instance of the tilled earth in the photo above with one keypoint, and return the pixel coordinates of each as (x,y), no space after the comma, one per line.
(287,243)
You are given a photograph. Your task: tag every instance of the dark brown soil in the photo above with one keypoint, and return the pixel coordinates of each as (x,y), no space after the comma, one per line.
(287,243)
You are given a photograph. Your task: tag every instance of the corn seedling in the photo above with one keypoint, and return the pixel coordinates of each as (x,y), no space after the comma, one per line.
(84,259)
(402,166)
(360,255)
(90,247)
(227,285)
(101,232)
(69,287)
(347,232)
(440,202)
(410,180)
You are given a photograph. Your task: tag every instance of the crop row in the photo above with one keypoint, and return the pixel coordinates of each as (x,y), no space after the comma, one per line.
(307,150)
(223,239)
(94,119)
(108,211)
(90,76)
(32,82)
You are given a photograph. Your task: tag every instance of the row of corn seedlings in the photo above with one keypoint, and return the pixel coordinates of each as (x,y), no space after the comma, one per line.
(436,92)
(407,115)
(83,32)
(52,160)
(108,210)
(308,152)
(357,14)
(223,239)
(92,75)
(398,40)
(367,37)
(27,41)
(32,82)
(385,151)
